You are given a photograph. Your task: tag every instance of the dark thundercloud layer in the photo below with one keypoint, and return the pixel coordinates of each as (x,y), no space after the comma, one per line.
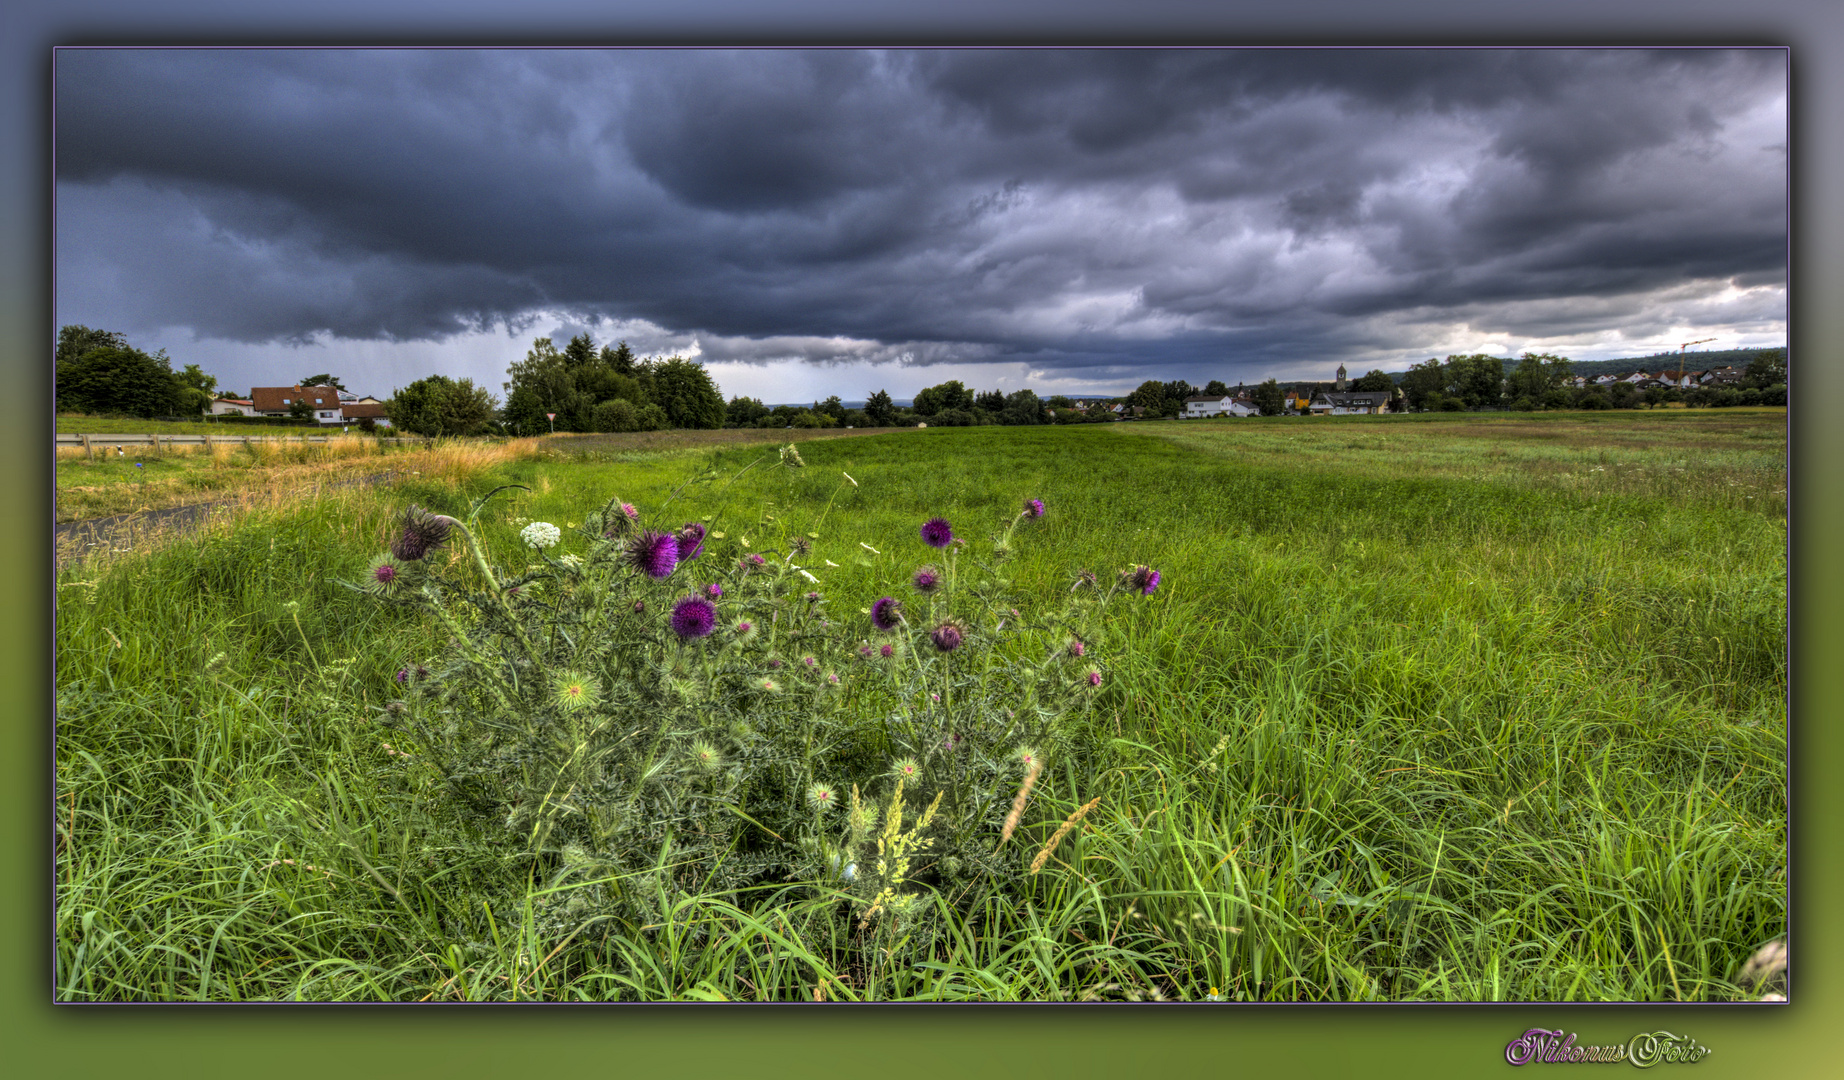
(1072,210)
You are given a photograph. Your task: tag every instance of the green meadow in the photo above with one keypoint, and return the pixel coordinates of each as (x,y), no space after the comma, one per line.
(1443,707)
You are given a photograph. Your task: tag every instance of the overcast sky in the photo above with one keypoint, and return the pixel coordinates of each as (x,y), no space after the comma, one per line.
(818,222)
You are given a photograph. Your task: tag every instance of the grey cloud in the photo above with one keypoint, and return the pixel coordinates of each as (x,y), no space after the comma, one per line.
(1080,209)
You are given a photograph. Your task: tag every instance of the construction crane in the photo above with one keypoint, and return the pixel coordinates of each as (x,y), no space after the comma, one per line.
(1681,349)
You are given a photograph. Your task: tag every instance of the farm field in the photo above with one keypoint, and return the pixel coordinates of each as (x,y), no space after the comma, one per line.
(1446,708)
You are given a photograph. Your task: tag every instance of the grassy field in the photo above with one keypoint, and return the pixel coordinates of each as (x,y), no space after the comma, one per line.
(1445,708)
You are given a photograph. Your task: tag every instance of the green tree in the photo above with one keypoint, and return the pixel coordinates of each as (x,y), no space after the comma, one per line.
(617,414)
(195,389)
(992,401)
(1217,388)
(832,407)
(1149,395)
(1536,375)
(687,395)
(1766,369)
(947,395)
(118,379)
(580,352)
(1376,379)
(1477,379)
(322,380)
(744,411)
(1423,382)
(299,409)
(1022,407)
(880,409)
(1269,398)
(545,383)
(438,405)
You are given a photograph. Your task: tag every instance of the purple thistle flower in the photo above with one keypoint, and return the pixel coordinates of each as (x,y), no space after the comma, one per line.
(691,541)
(403,676)
(384,573)
(639,606)
(774,665)
(927,579)
(628,509)
(887,613)
(1094,678)
(693,617)
(714,590)
(937,533)
(653,553)
(744,627)
(754,560)
(1076,648)
(947,637)
(1034,508)
(1143,579)
(809,661)
(421,533)
(887,652)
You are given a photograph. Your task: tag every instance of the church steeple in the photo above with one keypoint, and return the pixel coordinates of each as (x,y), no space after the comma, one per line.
(1341,378)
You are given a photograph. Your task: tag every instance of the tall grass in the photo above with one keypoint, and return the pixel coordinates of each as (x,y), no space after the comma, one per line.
(1390,729)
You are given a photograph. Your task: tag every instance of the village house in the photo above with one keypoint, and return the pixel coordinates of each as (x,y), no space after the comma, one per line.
(232,407)
(1350,402)
(1218,405)
(323,402)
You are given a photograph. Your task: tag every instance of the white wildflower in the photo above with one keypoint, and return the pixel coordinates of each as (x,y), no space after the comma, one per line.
(541,534)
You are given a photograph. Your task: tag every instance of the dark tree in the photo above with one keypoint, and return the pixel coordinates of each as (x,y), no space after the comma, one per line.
(992,401)
(322,380)
(119,379)
(74,341)
(832,407)
(620,358)
(685,392)
(1424,382)
(1216,388)
(1269,398)
(1375,380)
(880,410)
(1021,408)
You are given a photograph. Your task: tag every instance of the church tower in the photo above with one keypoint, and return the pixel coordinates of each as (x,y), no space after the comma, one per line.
(1341,378)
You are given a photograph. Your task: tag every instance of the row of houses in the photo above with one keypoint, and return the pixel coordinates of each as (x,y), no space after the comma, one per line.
(327,405)
(1712,377)
(1320,403)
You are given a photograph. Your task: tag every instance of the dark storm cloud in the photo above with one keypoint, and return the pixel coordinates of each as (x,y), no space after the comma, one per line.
(1074,209)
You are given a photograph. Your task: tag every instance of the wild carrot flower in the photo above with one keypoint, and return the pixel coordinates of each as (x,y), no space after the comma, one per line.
(576,690)
(540,535)
(421,533)
(691,541)
(822,797)
(653,553)
(887,613)
(693,617)
(927,579)
(1034,508)
(937,533)
(947,637)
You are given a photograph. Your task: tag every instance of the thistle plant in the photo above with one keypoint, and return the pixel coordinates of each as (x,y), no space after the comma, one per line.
(632,722)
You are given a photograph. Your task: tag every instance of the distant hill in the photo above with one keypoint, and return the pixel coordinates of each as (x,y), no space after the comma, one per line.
(1694,360)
